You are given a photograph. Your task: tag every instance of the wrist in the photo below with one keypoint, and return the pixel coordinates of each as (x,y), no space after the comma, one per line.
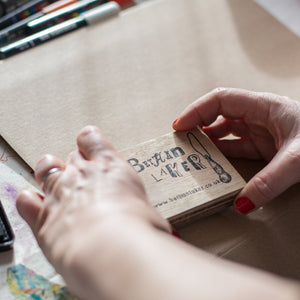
(101,267)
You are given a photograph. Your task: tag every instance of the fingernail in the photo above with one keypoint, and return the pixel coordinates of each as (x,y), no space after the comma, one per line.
(176,234)
(175,121)
(244,205)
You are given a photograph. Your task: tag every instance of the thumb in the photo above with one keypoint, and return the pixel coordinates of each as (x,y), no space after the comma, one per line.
(281,173)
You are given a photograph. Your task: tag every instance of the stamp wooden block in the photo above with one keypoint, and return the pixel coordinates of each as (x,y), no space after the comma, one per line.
(185,175)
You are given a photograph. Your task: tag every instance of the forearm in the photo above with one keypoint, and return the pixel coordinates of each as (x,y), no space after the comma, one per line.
(137,261)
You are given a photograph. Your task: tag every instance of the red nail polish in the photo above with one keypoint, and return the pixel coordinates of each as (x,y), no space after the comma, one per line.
(176,234)
(175,121)
(244,205)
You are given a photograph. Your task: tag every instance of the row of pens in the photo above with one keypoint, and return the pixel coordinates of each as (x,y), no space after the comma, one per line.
(26,24)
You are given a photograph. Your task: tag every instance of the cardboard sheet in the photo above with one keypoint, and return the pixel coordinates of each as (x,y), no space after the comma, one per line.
(134,74)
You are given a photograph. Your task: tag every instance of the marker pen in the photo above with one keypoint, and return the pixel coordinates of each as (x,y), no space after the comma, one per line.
(50,15)
(61,15)
(23,11)
(20,30)
(2,9)
(7,6)
(90,17)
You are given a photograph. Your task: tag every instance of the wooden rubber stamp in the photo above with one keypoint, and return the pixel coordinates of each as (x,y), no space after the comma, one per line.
(185,175)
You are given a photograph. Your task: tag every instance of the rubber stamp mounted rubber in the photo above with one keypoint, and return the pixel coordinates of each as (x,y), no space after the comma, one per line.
(185,175)
(6,233)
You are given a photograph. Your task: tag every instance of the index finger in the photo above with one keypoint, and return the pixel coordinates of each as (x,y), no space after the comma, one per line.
(230,102)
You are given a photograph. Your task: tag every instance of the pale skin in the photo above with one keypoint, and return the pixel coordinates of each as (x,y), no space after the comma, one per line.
(97,228)
(268,126)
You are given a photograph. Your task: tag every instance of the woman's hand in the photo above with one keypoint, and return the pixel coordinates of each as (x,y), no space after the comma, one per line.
(86,206)
(268,127)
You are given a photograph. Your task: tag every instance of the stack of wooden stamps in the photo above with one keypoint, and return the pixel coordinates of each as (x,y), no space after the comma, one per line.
(185,175)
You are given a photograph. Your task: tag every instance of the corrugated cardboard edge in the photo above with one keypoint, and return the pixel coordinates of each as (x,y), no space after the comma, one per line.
(202,211)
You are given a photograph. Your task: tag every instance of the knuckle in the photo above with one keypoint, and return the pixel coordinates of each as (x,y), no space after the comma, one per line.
(264,96)
(293,158)
(87,133)
(99,147)
(219,91)
(47,159)
(50,182)
(263,189)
